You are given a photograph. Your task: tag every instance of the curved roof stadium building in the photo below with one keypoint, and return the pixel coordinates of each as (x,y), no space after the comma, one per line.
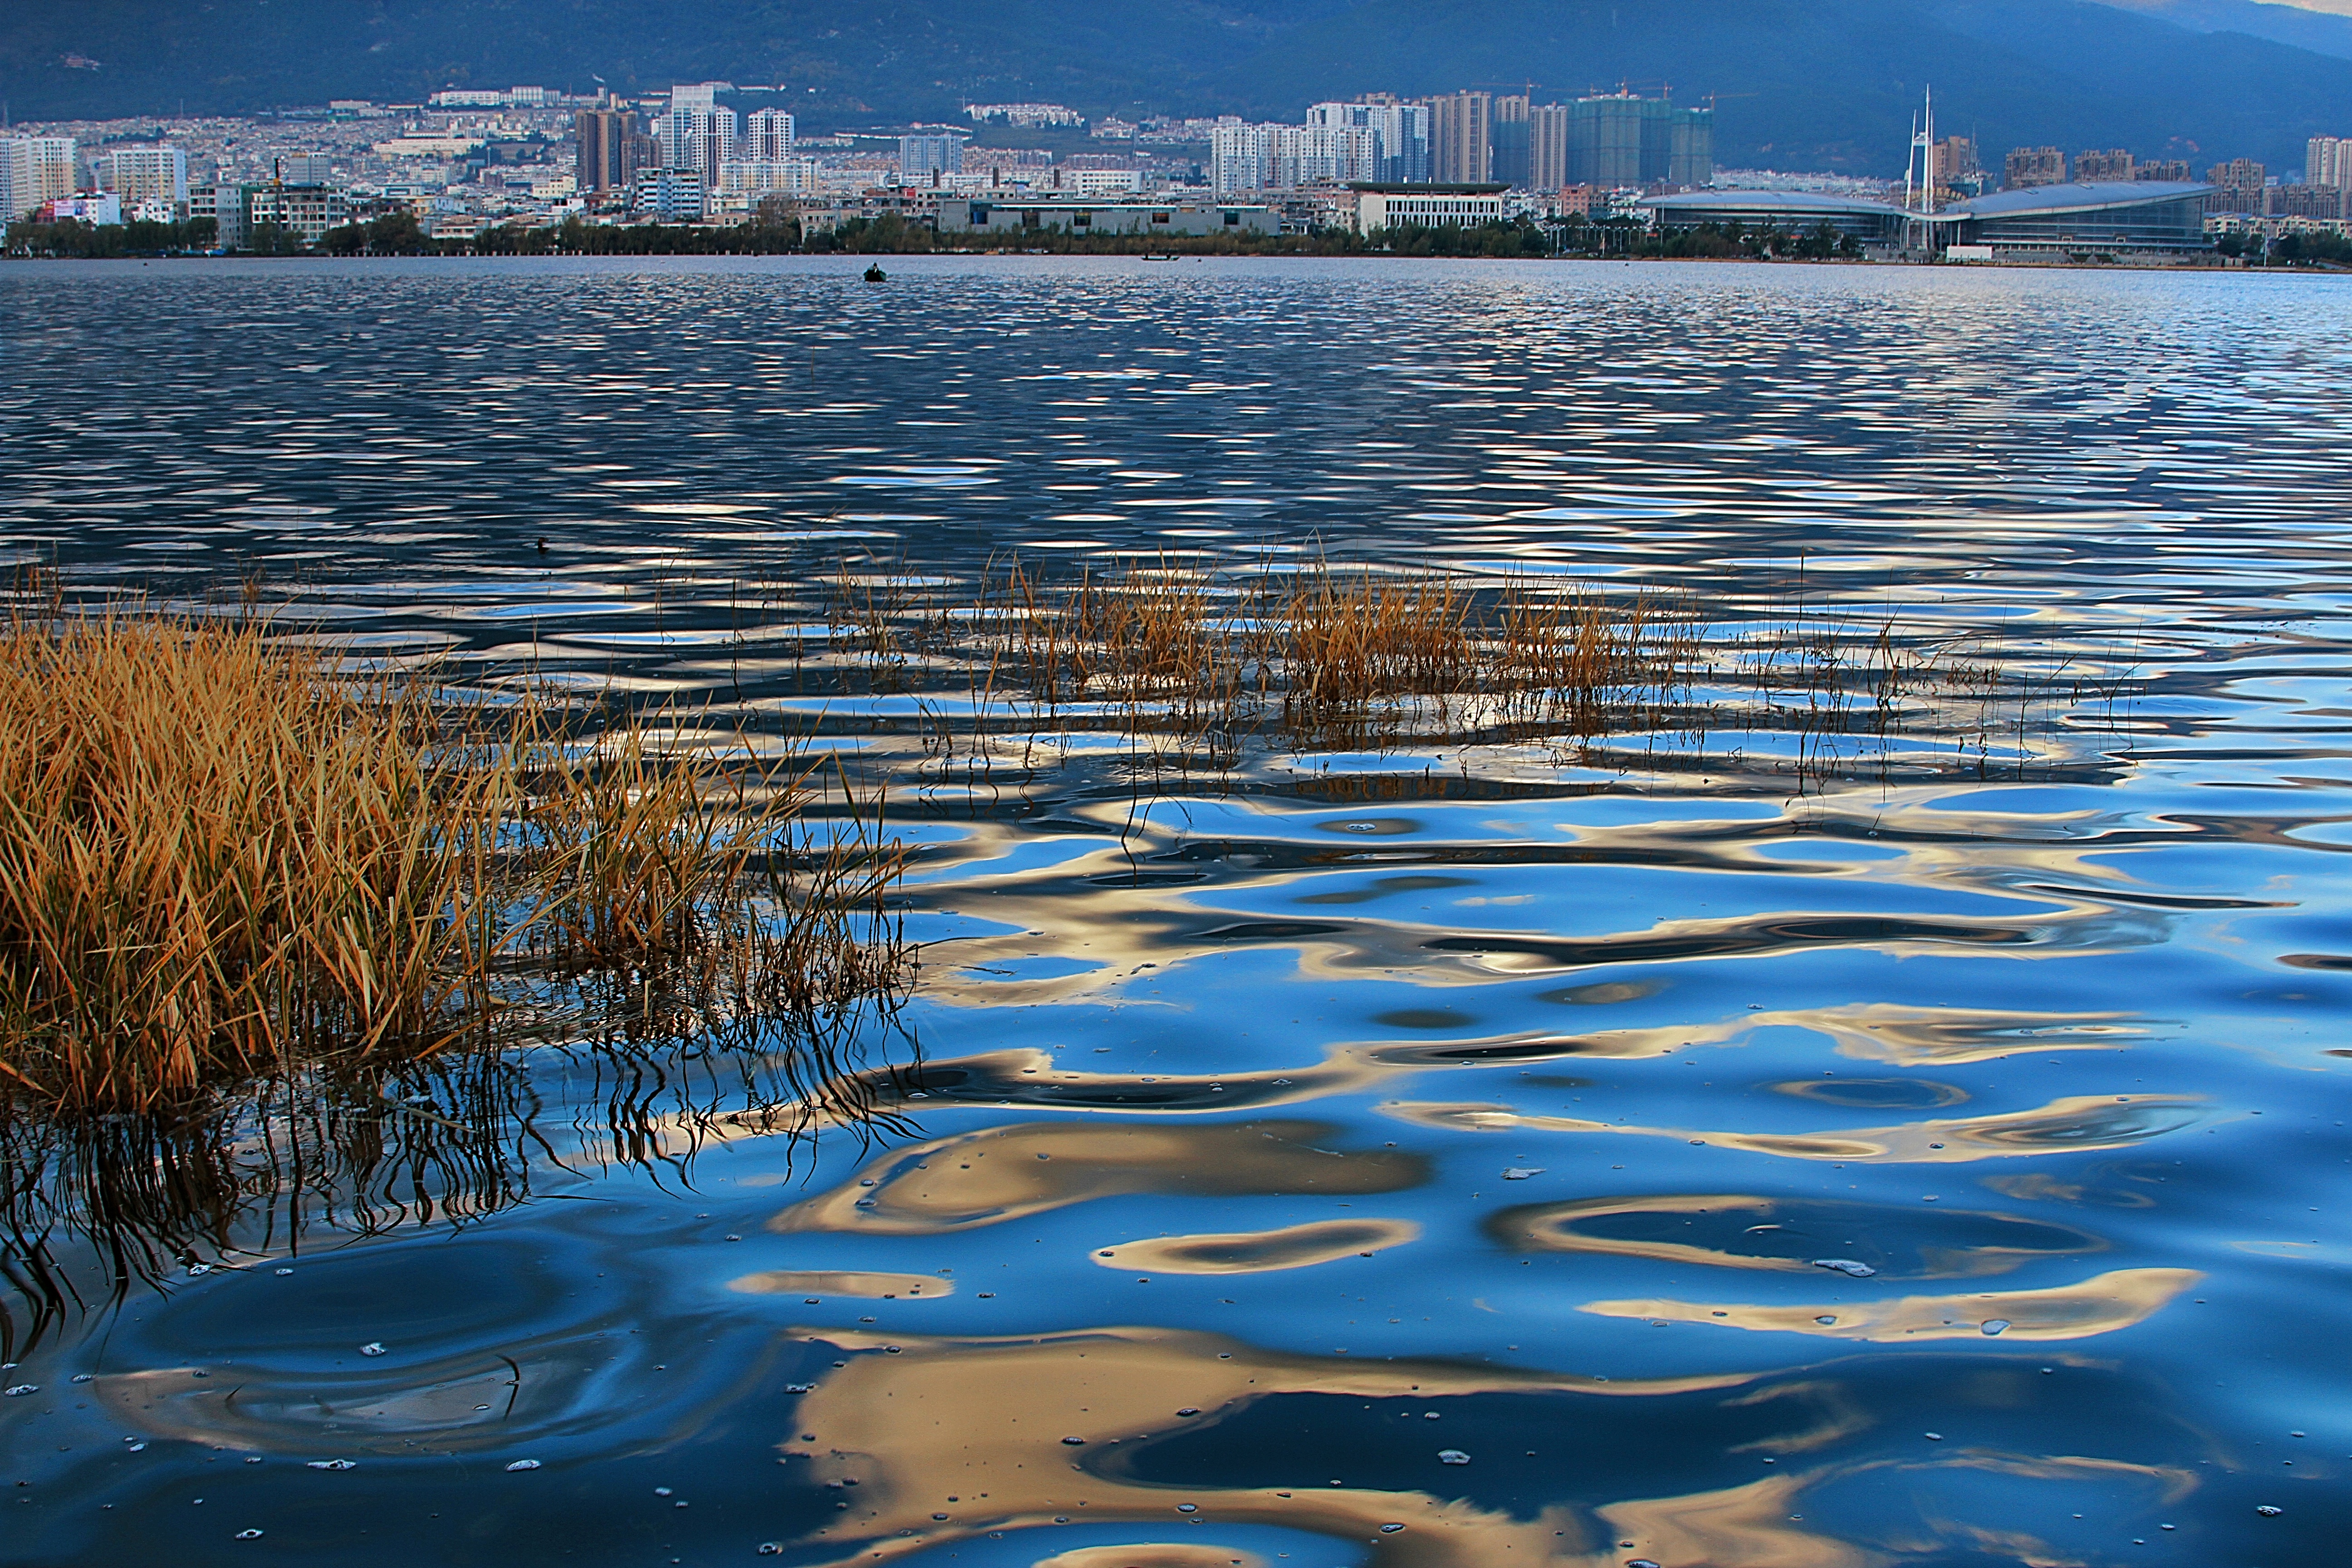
(2046,222)
(1873,223)
(2051,222)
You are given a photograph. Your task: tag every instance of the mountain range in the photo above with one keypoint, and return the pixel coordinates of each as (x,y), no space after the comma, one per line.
(1797,84)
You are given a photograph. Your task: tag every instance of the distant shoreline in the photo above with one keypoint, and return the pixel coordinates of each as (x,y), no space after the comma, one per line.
(847,258)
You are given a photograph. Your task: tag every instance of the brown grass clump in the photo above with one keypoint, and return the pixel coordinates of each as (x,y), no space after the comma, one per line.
(217,858)
(1147,638)
(1346,642)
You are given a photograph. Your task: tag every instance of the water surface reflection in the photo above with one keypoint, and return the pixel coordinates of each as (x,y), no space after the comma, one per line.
(1295,1113)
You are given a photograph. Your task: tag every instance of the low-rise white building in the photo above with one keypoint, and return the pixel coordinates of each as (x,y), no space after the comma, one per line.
(1382,206)
(94,210)
(965,215)
(1089,182)
(306,212)
(674,195)
(787,176)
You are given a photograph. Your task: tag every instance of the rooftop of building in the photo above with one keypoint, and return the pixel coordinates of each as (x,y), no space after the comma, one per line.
(1015,196)
(1818,202)
(2078,197)
(1425,188)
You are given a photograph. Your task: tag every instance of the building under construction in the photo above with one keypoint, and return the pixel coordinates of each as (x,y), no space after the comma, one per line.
(1619,139)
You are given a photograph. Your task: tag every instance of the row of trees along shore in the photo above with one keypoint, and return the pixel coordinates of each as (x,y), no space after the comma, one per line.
(777,231)
(770,233)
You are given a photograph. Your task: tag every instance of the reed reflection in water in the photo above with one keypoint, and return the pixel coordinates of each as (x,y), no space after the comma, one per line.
(93,1207)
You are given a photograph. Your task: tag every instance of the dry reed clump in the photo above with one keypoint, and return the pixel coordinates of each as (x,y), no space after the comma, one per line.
(1343,643)
(1149,637)
(1328,651)
(218,858)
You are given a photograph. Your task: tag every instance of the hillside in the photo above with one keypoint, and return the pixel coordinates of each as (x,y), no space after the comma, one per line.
(2321,32)
(1827,84)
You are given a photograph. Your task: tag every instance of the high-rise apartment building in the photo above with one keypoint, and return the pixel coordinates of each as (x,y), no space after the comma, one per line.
(2175,170)
(2324,202)
(1547,147)
(923,158)
(140,175)
(1507,134)
(1956,158)
(34,169)
(2327,161)
(695,135)
(1400,130)
(1690,146)
(2240,181)
(608,148)
(1618,140)
(1461,138)
(2028,166)
(1286,157)
(1237,156)
(767,137)
(2115,163)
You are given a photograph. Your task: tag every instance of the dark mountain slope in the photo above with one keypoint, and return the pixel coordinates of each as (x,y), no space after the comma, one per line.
(1802,83)
(2322,32)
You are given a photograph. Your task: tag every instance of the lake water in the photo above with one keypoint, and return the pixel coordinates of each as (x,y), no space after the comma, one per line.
(1738,1153)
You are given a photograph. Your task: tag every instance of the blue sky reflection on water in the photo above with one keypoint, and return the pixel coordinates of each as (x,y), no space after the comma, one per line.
(1278,1135)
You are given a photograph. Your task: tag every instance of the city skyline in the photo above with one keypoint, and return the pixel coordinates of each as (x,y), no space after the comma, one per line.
(1834,95)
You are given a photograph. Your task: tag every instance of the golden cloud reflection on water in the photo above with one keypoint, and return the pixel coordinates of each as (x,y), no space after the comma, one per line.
(1787,1235)
(1261,1251)
(979,1428)
(2070,1124)
(842,1282)
(1135,925)
(1153,1554)
(1900,1034)
(1011,1172)
(2099,1305)
(1744,1525)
